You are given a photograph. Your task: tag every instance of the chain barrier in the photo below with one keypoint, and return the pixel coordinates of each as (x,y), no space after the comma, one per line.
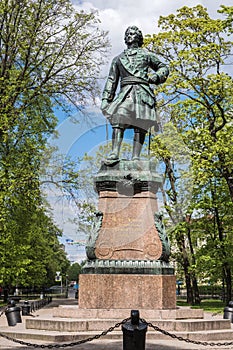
(65,345)
(117,325)
(174,336)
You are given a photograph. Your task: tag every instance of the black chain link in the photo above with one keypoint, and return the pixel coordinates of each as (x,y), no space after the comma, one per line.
(117,325)
(174,336)
(65,345)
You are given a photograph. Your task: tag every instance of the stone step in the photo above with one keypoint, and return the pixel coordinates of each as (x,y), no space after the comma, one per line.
(55,336)
(81,325)
(71,311)
(63,337)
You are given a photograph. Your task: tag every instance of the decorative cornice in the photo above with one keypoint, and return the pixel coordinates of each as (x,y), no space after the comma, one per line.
(148,267)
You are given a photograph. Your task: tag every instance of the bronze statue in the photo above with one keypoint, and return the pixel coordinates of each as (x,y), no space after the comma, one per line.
(134,106)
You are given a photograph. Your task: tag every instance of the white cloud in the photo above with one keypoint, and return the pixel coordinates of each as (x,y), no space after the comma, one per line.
(117,15)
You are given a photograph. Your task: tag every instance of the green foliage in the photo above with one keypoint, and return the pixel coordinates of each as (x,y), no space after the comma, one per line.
(199,88)
(47,50)
(30,251)
(198,51)
(49,54)
(74,271)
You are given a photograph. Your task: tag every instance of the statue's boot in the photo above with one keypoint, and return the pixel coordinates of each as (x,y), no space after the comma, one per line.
(117,137)
(139,138)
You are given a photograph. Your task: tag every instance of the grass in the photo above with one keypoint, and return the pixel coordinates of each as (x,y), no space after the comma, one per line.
(210,305)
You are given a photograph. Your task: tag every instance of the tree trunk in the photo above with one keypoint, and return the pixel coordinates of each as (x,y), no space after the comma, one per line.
(223,255)
(186,264)
(188,282)
(227,277)
(196,296)
(229,179)
(176,219)
(197,299)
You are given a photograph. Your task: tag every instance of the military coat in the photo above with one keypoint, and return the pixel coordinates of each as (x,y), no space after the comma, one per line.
(135,69)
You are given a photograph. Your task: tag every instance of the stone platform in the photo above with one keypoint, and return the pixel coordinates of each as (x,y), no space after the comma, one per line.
(71,311)
(68,323)
(80,323)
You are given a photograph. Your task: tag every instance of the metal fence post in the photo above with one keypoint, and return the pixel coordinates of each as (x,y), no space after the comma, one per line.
(228,311)
(134,333)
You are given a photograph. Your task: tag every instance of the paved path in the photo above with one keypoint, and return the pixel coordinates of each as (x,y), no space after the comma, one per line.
(101,344)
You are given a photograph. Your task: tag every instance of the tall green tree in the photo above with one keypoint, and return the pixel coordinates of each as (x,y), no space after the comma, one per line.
(176,190)
(212,226)
(199,50)
(49,55)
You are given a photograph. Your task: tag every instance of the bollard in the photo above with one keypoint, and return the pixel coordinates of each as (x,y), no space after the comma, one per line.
(13,314)
(32,306)
(26,308)
(134,333)
(228,311)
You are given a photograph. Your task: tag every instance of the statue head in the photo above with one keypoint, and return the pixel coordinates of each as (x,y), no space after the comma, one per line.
(138,35)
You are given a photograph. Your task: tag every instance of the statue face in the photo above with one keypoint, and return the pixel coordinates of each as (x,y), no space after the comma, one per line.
(131,36)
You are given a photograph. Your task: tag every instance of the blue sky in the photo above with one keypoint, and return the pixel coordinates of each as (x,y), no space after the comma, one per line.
(85,137)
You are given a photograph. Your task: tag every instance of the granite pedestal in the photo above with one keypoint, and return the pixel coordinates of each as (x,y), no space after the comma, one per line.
(128,249)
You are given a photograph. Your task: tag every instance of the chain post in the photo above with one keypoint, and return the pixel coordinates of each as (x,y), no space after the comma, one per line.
(134,333)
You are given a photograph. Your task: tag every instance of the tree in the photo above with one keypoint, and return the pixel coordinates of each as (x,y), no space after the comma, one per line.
(48,50)
(176,190)
(198,52)
(49,55)
(30,252)
(199,89)
(213,226)
(74,271)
